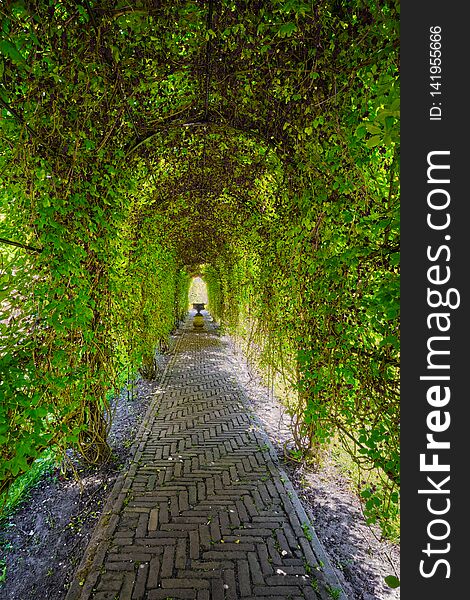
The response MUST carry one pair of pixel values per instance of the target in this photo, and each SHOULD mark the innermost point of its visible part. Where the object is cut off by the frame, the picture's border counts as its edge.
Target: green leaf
(360, 131)
(373, 128)
(375, 140)
(392, 581)
(10, 50)
(287, 29)
(115, 53)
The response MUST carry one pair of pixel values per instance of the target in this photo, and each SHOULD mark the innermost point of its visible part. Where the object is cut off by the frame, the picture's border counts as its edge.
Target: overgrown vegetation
(139, 142)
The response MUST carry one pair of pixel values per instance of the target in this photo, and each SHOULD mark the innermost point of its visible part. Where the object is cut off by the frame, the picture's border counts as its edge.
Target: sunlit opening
(197, 291)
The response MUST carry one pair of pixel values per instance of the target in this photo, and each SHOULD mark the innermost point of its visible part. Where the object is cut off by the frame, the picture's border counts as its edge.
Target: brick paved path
(204, 511)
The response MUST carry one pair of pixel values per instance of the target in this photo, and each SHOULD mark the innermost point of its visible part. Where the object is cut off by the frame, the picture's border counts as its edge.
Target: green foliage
(306, 528)
(23, 485)
(334, 593)
(137, 143)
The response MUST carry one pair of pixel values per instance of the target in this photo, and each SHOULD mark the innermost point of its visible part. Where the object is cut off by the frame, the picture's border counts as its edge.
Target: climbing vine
(256, 143)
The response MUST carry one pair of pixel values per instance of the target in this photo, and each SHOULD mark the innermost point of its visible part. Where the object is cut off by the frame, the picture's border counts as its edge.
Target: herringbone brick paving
(204, 512)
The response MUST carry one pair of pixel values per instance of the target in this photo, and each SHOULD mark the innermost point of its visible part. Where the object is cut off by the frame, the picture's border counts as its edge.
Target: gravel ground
(45, 539)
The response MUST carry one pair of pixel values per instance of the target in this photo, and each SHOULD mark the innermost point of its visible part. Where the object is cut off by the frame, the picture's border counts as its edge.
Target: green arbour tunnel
(253, 144)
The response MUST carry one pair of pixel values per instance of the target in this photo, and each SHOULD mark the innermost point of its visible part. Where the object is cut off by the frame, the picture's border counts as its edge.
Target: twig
(20, 245)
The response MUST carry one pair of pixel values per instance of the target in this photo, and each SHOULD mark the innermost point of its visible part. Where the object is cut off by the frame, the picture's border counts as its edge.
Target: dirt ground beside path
(44, 541)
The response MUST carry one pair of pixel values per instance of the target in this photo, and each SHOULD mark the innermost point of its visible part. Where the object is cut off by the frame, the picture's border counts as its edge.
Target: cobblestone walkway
(204, 512)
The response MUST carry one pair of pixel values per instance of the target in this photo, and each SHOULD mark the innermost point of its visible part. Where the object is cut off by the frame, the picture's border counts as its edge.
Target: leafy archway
(138, 142)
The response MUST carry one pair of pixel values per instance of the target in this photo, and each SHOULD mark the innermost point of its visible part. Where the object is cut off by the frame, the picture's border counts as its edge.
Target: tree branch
(20, 245)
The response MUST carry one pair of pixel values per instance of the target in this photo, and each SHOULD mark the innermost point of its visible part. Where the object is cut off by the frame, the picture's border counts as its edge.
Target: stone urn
(198, 321)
